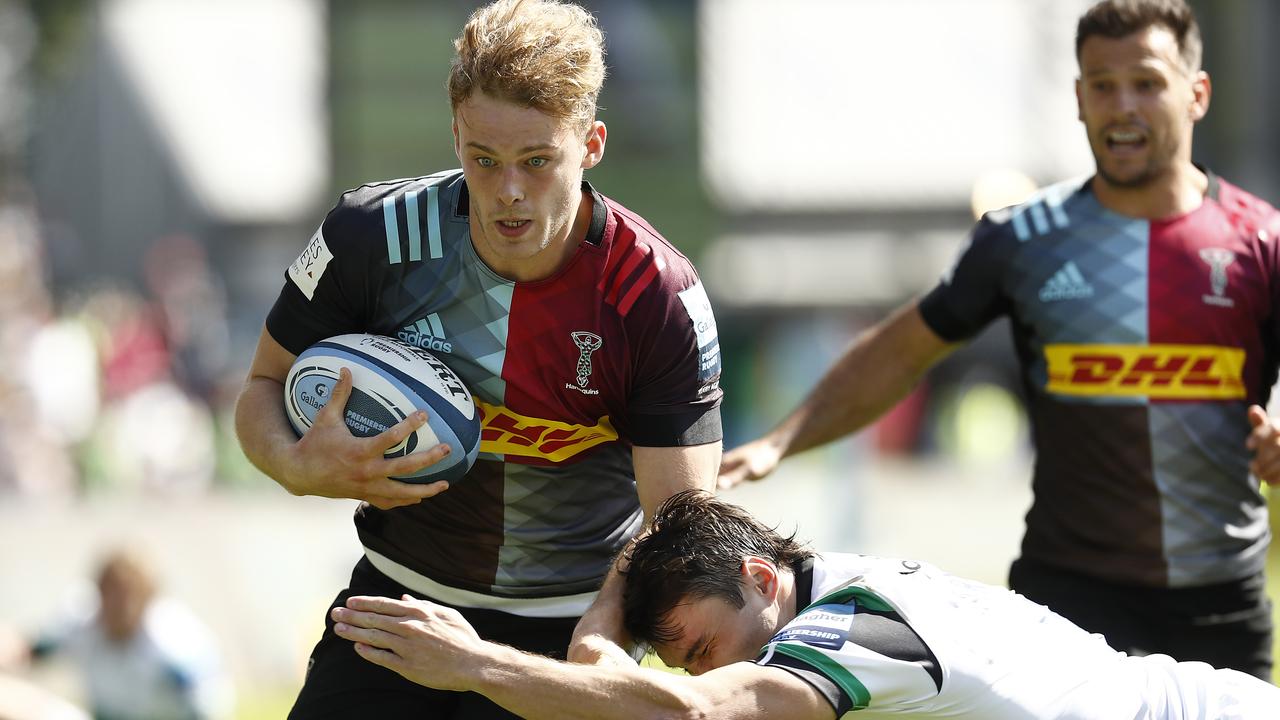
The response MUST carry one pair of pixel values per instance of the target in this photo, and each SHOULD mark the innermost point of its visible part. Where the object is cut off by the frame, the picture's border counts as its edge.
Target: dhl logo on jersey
(1164, 372)
(509, 433)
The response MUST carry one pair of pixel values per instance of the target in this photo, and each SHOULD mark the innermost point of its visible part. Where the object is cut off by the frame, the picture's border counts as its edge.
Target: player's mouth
(512, 228)
(1125, 141)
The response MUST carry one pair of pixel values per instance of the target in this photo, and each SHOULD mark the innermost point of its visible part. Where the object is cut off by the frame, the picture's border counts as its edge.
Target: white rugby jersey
(883, 637)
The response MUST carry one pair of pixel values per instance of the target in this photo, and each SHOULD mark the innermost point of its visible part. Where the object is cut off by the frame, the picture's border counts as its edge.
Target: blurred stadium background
(163, 161)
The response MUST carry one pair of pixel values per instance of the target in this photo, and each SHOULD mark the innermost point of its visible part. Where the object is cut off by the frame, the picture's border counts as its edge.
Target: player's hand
(751, 461)
(1264, 441)
(429, 644)
(331, 462)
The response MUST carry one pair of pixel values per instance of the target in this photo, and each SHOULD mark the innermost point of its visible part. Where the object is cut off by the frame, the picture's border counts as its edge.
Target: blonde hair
(546, 54)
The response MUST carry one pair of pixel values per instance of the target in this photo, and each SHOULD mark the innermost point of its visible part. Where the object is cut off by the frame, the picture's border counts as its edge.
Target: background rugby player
(1145, 307)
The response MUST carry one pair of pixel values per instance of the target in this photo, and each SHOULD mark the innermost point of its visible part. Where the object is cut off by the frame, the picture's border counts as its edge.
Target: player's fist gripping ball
(390, 380)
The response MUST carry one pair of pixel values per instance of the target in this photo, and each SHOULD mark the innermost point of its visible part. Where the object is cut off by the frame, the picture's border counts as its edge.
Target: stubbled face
(713, 633)
(1138, 105)
(524, 173)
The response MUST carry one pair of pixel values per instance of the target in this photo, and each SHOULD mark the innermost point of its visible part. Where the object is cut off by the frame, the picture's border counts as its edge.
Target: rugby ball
(390, 380)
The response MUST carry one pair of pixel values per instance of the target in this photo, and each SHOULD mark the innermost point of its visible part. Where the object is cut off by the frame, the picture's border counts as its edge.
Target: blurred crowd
(118, 387)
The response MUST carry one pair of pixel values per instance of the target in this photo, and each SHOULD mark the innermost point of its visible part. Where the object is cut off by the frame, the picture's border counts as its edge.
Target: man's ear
(1201, 91)
(596, 136)
(760, 576)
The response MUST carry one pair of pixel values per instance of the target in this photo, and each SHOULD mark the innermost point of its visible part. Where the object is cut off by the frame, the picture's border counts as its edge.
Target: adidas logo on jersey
(1066, 284)
(427, 334)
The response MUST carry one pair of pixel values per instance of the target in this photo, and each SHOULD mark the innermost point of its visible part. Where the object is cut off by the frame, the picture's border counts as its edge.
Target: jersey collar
(803, 571)
(599, 214)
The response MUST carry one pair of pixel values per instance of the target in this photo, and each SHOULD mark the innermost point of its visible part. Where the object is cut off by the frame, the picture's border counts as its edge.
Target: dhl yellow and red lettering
(509, 433)
(1166, 372)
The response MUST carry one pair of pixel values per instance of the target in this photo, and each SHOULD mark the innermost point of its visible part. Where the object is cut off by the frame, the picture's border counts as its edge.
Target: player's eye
(537, 162)
(485, 162)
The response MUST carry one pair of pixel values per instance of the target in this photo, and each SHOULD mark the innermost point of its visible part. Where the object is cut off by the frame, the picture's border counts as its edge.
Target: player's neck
(787, 600)
(581, 223)
(1178, 193)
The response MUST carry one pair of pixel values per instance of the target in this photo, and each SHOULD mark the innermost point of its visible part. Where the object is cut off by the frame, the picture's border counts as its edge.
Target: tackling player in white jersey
(770, 629)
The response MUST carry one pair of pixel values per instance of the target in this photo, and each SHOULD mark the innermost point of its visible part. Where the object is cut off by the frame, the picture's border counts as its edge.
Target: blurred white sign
(840, 104)
(237, 90)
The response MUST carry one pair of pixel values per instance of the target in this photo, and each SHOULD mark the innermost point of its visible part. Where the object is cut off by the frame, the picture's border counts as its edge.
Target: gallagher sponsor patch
(825, 626)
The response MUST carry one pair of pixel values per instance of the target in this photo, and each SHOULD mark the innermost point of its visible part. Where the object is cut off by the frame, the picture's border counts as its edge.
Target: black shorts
(341, 684)
(1227, 625)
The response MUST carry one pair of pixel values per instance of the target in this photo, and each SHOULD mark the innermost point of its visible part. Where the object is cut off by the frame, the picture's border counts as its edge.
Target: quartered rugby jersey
(619, 348)
(881, 637)
(1141, 344)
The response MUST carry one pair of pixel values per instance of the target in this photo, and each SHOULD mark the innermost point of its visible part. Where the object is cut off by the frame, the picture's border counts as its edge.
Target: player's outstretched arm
(877, 370)
(1264, 441)
(328, 461)
(434, 646)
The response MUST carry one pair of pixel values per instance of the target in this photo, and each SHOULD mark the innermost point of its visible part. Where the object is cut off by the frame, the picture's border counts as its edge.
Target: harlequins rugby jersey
(1141, 344)
(881, 637)
(619, 348)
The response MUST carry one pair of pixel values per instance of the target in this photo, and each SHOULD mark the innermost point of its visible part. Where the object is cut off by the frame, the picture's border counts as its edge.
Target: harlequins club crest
(1218, 260)
(587, 344)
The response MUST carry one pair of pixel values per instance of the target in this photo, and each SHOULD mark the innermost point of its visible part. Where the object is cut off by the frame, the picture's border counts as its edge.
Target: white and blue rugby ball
(390, 380)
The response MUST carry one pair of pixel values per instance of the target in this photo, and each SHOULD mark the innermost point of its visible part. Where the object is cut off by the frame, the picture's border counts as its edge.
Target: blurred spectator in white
(156, 439)
(141, 656)
(42, 370)
(152, 436)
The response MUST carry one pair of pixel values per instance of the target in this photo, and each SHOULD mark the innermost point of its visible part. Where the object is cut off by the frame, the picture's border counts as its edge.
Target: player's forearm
(263, 431)
(660, 473)
(535, 687)
(877, 370)
(852, 395)
(599, 637)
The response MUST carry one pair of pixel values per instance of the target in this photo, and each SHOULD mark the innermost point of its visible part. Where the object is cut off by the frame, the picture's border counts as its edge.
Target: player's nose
(511, 187)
